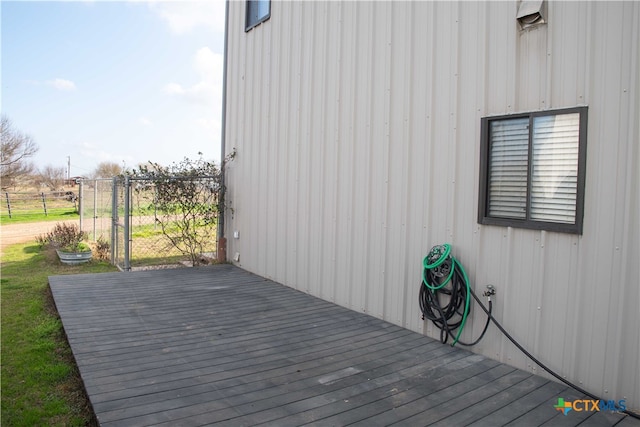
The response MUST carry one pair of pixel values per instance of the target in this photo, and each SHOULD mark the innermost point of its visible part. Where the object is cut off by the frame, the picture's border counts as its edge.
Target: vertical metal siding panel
(264, 179)
(602, 162)
(254, 152)
(418, 161)
(317, 137)
(490, 243)
(430, 200)
(300, 65)
(297, 265)
(621, 78)
(628, 334)
(331, 150)
(451, 150)
(284, 198)
(566, 77)
(508, 255)
(364, 69)
(398, 147)
(378, 170)
(501, 53)
(469, 98)
(619, 265)
(443, 36)
(245, 147)
(531, 72)
(268, 139)
(566, 54)
(287, 198)
(407, 258)
(522, 300)
(343, 243)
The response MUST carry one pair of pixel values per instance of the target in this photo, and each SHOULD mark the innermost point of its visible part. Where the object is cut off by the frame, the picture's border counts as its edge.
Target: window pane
(257, 11)
(263, 8)
(554, 178)
(508, 168)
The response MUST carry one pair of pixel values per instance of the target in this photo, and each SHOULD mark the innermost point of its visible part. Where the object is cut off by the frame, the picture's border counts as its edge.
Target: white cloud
(208, 90)
(174, 89)
(62, 84)
(58, 83)
(208, 124)
(145, 121)
(183, 16)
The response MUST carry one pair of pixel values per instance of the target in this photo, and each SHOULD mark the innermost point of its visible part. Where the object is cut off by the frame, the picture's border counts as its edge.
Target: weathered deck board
(218, 345)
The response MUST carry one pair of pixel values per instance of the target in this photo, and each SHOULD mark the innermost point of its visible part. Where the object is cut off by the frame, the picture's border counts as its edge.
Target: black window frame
(252, 17)
(528, 223)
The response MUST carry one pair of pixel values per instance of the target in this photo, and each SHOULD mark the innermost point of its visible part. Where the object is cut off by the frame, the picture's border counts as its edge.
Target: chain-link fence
(148, 232)
(126, 216)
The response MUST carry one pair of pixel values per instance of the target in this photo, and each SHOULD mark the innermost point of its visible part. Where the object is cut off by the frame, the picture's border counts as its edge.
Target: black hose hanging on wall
(444, 295)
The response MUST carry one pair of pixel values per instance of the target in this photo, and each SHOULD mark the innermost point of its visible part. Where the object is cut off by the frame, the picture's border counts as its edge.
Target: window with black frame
(532, 170)
(257, 11)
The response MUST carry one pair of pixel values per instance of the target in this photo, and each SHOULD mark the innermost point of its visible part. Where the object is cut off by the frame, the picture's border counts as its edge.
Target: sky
(113, 81)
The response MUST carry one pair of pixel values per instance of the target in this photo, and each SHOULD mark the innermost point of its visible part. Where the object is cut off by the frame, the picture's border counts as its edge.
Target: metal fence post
(127, 220)
(81, 201)
(114, 221)
(95, 207)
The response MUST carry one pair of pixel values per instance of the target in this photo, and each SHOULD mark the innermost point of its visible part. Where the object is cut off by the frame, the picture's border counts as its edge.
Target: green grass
(150, 247)
(57, 214)
(40, 382)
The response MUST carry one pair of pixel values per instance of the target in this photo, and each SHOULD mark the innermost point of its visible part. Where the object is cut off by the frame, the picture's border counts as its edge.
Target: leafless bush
(102, 249)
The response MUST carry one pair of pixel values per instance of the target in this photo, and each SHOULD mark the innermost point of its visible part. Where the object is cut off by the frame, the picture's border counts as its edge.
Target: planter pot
(73, 258)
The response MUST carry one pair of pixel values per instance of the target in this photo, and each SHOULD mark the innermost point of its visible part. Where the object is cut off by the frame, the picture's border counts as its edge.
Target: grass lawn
(40, 382)
(57, 214)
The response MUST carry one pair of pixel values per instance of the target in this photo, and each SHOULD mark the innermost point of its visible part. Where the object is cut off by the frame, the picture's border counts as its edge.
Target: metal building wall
(356, 126)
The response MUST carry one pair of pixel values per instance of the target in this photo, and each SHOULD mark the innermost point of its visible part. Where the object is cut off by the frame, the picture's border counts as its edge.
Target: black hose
(443, 301)
(538, 362)
(443, 298)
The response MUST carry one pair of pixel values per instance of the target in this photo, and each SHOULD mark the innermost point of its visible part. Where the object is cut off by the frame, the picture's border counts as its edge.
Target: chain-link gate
(95, 207)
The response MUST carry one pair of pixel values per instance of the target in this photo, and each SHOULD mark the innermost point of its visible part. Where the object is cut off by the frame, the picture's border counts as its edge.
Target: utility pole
(68, 167)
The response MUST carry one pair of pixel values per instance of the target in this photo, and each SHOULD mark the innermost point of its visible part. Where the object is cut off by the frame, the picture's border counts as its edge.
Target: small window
(532, 170)
(258, 11)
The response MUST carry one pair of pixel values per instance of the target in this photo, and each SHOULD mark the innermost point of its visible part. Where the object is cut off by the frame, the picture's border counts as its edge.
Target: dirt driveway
(11, 234)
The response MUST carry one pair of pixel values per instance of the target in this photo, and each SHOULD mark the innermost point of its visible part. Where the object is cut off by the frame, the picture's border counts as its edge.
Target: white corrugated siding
(357, 125)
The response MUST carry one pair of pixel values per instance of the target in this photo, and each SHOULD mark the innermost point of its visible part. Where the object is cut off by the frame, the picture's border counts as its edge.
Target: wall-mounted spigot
(491, 290)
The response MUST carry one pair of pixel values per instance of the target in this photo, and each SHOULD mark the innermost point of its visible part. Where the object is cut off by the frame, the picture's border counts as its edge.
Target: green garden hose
(445, 294)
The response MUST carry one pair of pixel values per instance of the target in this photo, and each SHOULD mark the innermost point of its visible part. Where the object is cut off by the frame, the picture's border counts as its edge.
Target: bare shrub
(102, 249)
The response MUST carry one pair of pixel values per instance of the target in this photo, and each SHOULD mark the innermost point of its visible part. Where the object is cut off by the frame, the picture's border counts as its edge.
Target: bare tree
(51, 176)
(107, 170)
(17, 148)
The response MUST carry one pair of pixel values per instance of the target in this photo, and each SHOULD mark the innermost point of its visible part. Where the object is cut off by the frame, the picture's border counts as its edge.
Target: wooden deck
(221, 346)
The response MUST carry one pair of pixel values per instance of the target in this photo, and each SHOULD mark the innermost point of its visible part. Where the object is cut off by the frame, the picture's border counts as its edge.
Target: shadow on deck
(220, 345)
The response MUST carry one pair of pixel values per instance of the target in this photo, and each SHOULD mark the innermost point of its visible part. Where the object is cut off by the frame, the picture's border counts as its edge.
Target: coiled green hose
(444, 277)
